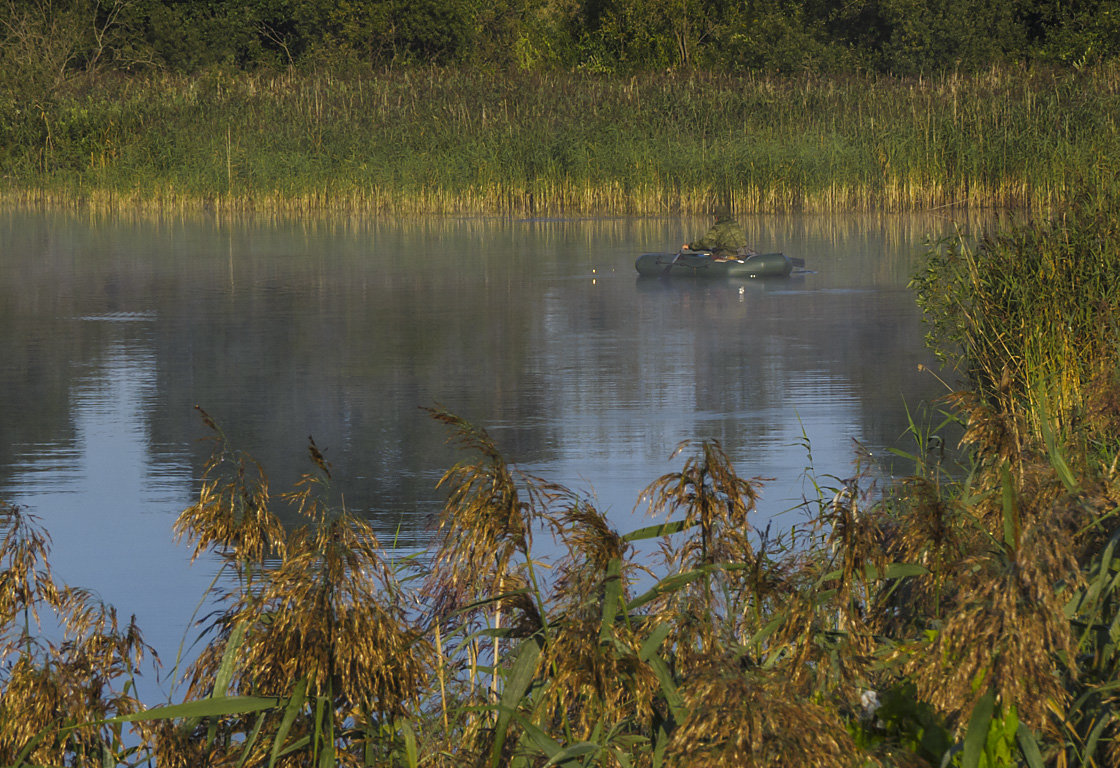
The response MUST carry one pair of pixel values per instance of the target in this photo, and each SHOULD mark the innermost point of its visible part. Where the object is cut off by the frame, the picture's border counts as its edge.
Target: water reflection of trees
(343, 328)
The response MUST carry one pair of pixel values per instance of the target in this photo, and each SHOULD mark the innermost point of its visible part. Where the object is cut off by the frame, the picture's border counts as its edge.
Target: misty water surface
(113, 329)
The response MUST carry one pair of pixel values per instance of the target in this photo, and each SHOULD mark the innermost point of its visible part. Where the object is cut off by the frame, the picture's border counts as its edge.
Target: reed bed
(1030, 316)
(448, 141)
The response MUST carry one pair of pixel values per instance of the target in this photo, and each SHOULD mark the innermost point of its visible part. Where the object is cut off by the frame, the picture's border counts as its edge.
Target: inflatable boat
(704, 264)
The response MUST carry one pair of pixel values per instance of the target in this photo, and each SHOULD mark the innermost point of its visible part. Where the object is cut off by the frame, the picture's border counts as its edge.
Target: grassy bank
(454, 142)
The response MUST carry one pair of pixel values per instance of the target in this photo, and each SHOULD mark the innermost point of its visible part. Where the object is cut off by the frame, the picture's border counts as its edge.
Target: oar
(674, 261)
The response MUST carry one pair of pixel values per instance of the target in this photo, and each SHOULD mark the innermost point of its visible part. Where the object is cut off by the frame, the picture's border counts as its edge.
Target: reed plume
(57, 694)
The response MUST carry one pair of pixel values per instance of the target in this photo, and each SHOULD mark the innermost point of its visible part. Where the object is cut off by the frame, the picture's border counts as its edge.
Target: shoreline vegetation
(442, 141)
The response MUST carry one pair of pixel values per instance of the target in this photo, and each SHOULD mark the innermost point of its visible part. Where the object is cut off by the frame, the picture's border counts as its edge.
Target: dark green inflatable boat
(702, 264)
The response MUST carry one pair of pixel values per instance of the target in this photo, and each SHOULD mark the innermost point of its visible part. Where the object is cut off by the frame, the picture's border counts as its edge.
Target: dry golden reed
(755, 720)
(56, 694)
(970, 612)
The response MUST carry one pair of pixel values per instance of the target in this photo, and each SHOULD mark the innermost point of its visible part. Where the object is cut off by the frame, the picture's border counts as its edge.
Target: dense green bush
(43, 41)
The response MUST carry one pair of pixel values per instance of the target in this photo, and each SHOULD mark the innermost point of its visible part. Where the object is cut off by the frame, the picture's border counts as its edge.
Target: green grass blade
(976, 737)
(657, 531)
(668, 687)
(660, 745)
(520, 678)
(412, 753)
(905, 570)
(323, 742)
(295, 746)
(621, 758)
(668, 584)
(1029, 747)
(654, 641)
(295, 704)
(1103, 719)
(547, 745)
(1054, 453)
(575, 750)
(612, 593)
(759, 638)
(213, 707)
(224, 675)
(252, 740)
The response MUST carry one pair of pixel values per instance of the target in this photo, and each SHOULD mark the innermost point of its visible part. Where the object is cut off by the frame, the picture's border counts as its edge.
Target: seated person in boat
(726, 239)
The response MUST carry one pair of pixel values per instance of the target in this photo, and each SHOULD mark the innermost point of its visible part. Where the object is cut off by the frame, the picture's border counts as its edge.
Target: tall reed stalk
(1031, 316)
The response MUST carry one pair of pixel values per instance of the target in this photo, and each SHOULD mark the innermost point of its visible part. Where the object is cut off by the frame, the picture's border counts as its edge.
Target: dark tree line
(48, 38)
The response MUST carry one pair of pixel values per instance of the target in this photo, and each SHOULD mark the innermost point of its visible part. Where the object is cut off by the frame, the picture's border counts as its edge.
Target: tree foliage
(43, 41)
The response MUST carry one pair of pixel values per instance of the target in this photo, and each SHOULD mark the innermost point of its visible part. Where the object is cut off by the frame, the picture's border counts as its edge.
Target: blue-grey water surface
(115, 327)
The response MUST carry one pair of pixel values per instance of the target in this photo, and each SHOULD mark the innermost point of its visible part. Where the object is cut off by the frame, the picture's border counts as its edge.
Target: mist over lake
(539, 331)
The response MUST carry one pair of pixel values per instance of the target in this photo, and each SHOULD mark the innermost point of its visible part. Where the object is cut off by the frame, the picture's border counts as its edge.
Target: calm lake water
(113, 329)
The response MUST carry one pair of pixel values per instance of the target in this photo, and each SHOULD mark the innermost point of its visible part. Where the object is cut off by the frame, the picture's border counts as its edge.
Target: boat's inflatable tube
(702, 264)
